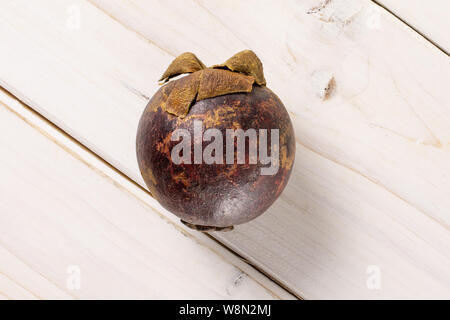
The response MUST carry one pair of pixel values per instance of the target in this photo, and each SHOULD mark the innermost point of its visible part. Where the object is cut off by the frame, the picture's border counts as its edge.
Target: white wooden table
(366, 213)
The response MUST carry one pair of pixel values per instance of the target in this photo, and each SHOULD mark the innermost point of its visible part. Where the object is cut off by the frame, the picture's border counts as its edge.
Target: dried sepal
(185, 63)
(237, 74)
(246, 62)
(182, 94)
(220, 82)
(179, 95)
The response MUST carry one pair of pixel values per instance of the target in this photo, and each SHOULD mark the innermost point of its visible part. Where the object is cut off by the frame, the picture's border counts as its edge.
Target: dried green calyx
(237, 74)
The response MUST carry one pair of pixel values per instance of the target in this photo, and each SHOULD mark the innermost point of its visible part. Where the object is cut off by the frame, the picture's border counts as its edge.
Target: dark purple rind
(218, 195)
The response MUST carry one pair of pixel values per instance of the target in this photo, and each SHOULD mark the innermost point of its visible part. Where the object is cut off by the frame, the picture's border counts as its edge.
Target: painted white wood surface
(62, 210)
(431, 18)
(370, 188)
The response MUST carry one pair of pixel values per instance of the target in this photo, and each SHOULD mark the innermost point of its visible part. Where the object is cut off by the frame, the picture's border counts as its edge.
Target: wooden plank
(370, 188)
(430, 18)
(64, 211)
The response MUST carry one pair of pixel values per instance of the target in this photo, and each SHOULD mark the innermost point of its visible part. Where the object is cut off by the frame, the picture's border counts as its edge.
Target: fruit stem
(206, 228)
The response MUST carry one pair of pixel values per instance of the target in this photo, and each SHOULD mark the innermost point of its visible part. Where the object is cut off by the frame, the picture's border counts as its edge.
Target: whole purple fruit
(228, 97)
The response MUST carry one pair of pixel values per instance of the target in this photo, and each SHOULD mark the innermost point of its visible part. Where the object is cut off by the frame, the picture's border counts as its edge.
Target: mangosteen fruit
(215, 147)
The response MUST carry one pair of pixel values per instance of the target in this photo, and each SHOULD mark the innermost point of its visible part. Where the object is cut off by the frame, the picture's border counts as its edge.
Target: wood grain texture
(63, 207)
(370, 185)
(430, 18)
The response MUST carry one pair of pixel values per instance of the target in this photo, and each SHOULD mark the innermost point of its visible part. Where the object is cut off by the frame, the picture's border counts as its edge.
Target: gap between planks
(174, 55)
(137, 197)
(410, 26)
